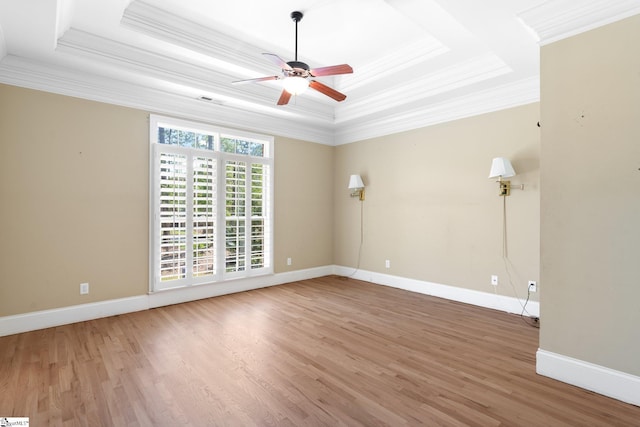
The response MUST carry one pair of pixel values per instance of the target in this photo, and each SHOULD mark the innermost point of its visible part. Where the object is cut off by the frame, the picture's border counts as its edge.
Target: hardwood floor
(328, 351)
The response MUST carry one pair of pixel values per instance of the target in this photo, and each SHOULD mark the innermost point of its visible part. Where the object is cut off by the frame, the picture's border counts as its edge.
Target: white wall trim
(553, 21)
(77, 313)
(469, 296)
(24, 72)
(602, 380)
(192, 293)
(509, 95)
(26, 322)
(599, 379)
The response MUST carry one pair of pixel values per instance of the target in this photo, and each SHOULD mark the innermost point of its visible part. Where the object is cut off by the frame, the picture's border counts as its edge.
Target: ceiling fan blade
(330, 92)
(277, 60)
(331, 70)
(259, 79)
(284, 98)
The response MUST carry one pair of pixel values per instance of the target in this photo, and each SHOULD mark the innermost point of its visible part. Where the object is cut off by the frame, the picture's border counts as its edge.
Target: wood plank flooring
(323, 352)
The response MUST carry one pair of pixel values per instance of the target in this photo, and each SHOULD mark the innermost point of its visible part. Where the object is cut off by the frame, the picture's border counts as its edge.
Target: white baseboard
(177, 296)
(26, 322)
(469, 296)
(615, 384)
(605, 381)
(55, 317)
(35, 320)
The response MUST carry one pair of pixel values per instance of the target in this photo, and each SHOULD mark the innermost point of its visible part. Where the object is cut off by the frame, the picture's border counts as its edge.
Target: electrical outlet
(84, 288)
(532, 286)
(288, 261)
(387, 263)
(494, 280)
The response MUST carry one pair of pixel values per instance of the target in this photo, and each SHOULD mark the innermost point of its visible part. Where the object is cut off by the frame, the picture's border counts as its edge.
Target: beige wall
(304, 205)
(73, 185)
(74, 188)
(74, 181)
(431, 210)
(590, 204)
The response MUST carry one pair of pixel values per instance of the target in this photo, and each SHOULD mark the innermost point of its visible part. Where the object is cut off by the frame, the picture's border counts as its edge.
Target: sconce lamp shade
(355, 182)
(356, 186)
(501, 168)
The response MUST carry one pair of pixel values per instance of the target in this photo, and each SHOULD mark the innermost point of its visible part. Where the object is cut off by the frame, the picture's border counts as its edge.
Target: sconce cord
(505, 252)
(507, 262)
(361, 240)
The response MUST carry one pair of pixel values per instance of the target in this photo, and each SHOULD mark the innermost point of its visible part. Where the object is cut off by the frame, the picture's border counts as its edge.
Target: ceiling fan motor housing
(298, 64)
(299, 69)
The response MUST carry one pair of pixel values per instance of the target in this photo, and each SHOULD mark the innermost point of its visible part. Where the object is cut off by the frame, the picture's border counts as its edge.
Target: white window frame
(220, 275)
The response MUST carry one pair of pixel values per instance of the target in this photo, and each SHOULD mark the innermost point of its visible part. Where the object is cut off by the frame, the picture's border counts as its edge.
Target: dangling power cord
(361, 240)
(505, 251)
(507, 261)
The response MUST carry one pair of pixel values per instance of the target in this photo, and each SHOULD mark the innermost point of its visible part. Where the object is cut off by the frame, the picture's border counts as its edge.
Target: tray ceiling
(416, 62)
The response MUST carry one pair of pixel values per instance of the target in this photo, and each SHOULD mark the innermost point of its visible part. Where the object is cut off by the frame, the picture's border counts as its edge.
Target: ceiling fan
(298, 76)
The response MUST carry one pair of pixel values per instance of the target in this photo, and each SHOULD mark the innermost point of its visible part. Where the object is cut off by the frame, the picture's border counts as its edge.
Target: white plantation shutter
(247, 227)
(172, 216)
(260, 231)
(235, 221)
(204, 216)
(211, 209)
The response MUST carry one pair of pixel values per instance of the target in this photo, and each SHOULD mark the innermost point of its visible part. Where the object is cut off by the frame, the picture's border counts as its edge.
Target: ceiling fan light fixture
(297, 76)
(295, 85)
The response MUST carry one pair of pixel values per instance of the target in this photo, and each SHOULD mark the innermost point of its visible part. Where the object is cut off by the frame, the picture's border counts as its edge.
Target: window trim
(221, 276)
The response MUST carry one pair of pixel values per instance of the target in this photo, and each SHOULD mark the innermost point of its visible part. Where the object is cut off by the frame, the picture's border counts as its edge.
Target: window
(211, 210)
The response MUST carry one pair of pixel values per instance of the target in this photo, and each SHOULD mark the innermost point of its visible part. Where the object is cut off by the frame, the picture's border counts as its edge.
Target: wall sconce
(501, 168)
(356, 186)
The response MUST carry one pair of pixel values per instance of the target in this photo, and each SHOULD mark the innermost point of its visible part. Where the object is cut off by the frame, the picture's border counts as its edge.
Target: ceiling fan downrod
(296, 16)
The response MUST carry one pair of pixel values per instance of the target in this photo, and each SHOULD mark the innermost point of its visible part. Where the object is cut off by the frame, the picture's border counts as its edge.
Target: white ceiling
(416, 62)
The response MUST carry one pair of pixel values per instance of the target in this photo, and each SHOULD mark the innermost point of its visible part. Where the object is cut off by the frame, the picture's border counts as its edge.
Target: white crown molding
(409, 56)
(521, 92)
(155, 22)
(559, 19)
(46, 77)
(3, 45)
(175, 71)
(148, 19)
(609, 382)
(171, 80)
(443, 80)
(25, 73)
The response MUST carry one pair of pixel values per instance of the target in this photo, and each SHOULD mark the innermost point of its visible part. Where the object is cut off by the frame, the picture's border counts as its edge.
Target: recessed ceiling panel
(415, 62)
